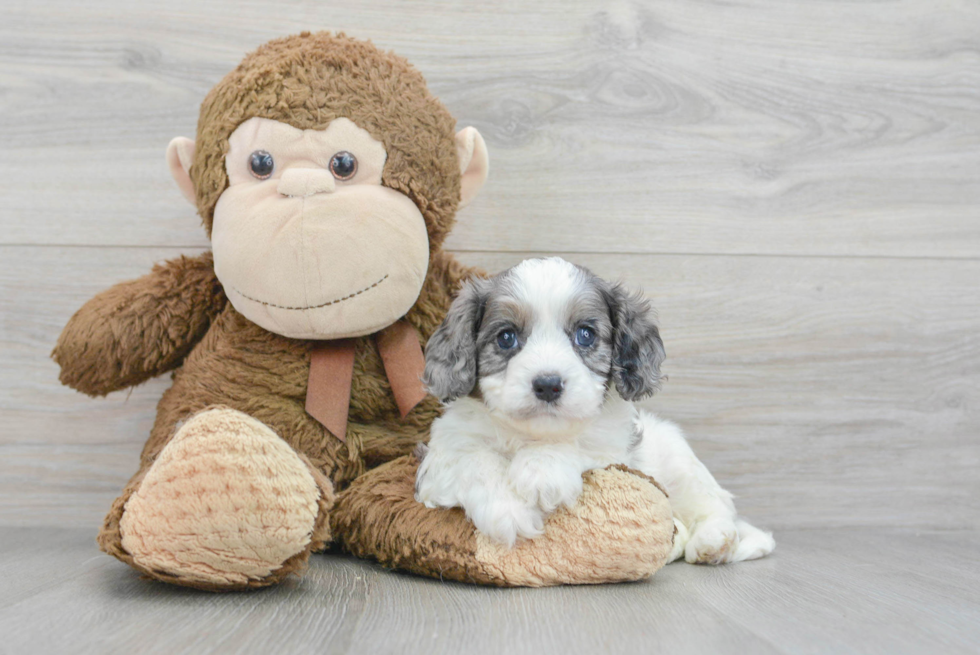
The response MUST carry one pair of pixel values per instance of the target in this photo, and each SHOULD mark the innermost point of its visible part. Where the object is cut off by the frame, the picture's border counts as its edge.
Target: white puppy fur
(540, 365)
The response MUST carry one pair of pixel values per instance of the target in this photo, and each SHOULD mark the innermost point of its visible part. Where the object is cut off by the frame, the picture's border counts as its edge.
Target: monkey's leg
(226, 505)
(621, 529)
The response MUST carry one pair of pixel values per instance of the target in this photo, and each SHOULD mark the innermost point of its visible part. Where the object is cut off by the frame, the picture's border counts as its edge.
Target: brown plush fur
(177, 317)
(439, 543)
(139, 329)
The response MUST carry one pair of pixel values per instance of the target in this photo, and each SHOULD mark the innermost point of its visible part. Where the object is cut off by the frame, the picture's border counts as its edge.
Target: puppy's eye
(343, 165)
(507, 340)
(260, 164)
(585, 336)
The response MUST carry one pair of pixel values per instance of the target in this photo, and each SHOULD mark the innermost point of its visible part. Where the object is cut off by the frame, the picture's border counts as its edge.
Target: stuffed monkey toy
(327, 177)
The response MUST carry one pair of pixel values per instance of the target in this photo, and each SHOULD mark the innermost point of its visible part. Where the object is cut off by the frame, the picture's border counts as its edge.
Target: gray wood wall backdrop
(795, 184)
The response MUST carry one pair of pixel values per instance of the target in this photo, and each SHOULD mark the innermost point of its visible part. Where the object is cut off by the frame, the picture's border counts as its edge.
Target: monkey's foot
(621, 529)
(226, 505)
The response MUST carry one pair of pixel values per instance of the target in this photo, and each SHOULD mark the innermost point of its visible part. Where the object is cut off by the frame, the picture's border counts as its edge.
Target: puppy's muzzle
(548, 387)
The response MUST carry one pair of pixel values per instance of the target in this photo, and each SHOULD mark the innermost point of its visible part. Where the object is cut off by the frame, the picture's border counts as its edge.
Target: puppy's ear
(638, 351)
(450, 355)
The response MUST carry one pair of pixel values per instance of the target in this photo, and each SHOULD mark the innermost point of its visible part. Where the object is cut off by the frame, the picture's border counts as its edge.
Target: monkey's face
(307, 242)
(324, 204)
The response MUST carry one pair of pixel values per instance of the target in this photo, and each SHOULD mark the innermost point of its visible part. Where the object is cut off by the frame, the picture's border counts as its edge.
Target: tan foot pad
(226, 503)
(621, 530)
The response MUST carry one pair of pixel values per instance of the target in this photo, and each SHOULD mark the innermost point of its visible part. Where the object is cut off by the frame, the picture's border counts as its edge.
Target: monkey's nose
(303, 182)
(547, 387)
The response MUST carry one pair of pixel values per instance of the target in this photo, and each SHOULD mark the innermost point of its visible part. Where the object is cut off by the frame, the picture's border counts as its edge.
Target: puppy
(540, 365)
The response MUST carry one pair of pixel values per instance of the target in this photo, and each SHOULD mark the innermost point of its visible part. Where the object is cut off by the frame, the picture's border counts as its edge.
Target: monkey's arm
(620, 529)
(141, 328)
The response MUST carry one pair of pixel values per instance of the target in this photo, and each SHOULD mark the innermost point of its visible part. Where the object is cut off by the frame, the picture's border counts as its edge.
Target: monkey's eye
(507, 340)
(343, 165)
(585, 336)
(260, 163)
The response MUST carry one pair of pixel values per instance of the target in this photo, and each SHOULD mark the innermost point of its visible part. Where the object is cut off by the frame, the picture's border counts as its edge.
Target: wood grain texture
(822, 391)
(825, 127)
(795, 184)
(822, 591)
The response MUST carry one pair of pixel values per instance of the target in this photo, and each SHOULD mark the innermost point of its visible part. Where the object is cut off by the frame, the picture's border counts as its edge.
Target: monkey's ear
(180, 156)
(474, 164)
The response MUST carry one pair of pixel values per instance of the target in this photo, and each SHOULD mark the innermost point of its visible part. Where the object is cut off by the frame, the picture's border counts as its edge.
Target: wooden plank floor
(844, 590)
(796, 185)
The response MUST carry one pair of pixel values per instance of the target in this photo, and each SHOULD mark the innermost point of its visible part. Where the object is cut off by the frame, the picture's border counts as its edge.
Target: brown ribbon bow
(332, 369)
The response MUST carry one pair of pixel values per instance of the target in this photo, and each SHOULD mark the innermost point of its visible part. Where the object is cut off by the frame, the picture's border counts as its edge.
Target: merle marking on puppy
(540, 366)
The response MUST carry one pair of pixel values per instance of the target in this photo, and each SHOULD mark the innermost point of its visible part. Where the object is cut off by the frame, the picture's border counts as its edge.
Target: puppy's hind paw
(713, 541)
(753, 543)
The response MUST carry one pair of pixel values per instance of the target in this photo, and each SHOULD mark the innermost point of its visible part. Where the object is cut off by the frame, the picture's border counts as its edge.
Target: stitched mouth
(325, 304)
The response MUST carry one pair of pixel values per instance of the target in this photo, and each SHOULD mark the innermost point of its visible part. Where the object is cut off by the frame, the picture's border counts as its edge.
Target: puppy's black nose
(547, 387)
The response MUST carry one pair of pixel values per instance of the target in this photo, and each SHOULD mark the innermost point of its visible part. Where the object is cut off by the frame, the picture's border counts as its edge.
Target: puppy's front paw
(506, 519)
(545, 482)
(713, 541)
(430, 493)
